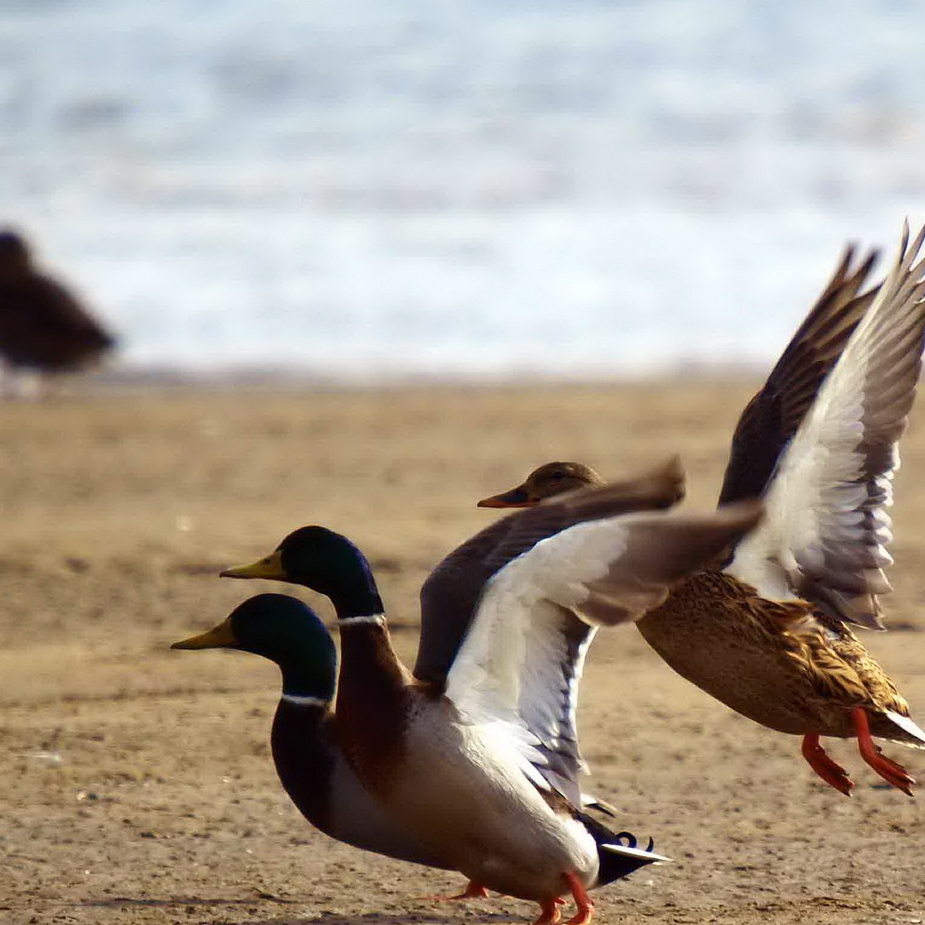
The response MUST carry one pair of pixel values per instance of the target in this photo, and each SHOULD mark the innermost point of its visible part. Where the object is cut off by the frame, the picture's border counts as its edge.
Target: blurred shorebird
(43, 328)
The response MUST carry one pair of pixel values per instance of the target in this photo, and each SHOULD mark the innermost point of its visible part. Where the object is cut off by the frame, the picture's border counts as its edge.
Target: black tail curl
(614, 866)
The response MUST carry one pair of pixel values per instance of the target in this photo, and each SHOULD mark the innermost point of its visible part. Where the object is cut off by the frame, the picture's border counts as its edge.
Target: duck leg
(582, 900)
(473, 890)
(550, 914)
(891, 771)
(830, 771)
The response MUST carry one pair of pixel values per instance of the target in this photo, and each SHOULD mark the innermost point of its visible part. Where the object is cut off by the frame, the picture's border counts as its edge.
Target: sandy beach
(137, 785)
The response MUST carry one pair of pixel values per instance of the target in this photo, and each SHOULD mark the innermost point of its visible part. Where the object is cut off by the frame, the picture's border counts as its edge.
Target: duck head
(549, 480)
(287, 632)
(324, 561)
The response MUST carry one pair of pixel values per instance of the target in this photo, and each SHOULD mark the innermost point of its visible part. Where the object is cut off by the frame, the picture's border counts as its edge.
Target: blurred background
(367, 191)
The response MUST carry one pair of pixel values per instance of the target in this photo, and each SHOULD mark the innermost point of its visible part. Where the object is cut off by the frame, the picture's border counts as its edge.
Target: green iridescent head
(284, 630)
(324, 561)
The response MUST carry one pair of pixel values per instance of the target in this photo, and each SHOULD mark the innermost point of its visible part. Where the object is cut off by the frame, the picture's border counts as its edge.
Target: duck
(43, 327)
(309, 762)
(308, 757)
(768, 633)
(450, 593)
(484, 767)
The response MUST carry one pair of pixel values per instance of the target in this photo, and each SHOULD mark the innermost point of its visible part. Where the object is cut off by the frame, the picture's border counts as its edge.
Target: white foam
(495, 190)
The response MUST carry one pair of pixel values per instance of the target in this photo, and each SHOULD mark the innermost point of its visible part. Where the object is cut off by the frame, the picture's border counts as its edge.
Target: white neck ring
(302, 700)
(375, 619)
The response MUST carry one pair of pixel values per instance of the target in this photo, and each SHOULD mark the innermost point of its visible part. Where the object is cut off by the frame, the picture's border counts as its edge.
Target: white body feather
(492, 763)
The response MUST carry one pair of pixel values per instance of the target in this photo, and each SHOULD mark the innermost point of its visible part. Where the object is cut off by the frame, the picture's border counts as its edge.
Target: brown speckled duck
(768, 633)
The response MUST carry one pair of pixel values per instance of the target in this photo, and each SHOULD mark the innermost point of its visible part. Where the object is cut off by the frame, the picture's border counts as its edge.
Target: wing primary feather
(827, 526)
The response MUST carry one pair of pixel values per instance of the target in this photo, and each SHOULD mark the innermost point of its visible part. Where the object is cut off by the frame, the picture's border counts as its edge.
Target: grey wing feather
(828, 525)
(774, 414)
(451, 592)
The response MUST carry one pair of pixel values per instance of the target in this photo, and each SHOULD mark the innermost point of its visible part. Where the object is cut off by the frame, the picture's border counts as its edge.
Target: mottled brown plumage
(783, 664)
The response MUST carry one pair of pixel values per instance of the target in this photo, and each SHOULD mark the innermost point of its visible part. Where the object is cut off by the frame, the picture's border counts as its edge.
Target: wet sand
(137, 785)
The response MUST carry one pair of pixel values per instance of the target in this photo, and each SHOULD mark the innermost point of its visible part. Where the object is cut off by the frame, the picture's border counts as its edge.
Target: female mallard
(309, 762)
(766, 635)
(484, 768)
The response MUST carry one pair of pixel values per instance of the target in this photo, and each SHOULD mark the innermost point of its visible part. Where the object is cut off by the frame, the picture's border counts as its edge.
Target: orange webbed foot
(550, 914)
(891, 771)
(830, 771)
(582, 900)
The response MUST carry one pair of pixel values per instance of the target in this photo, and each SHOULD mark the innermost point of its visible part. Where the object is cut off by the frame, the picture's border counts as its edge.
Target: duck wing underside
(518, 670)
(773, 415)
(451, 592)
(827, 528)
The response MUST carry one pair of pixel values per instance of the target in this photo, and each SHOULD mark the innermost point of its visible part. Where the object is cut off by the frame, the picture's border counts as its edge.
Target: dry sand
(137, 784)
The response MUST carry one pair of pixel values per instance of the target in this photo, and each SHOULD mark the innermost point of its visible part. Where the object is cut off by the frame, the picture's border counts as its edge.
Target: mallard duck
(42, 326)
(484, 766)
(451, 591)
(310, 762)
(308, 759)
(767, 634)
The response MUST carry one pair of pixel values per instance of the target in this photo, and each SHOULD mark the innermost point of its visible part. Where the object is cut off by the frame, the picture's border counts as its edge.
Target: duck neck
(369, 663)
(304, 755)
(307, 684)
(370, 670)
(372, 697)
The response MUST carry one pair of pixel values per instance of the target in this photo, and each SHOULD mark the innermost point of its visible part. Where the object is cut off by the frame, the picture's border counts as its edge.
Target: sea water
(488, 189)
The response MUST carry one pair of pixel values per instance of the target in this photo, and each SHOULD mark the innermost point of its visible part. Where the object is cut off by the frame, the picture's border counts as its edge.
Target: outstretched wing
(518, 669)
(827, 526)
(451, 592)
(772, 417)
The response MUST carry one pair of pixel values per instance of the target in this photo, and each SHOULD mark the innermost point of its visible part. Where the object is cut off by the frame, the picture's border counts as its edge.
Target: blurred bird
(42, 326)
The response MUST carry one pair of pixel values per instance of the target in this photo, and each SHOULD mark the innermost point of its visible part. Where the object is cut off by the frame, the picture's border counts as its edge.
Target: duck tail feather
(646, 855)
(589, 801)
(907, 726)
(617, 860)
(618, 853)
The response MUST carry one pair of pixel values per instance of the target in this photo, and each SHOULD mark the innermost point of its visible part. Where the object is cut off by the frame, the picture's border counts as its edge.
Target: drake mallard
(483, 767)
(308, 759)
(42, 326)
(768, 635)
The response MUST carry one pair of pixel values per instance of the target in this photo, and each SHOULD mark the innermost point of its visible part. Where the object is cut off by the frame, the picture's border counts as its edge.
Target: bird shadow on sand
(464, 916)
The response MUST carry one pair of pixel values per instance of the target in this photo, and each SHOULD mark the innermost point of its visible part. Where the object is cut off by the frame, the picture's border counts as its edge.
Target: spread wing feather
(451, 592)
(827, 528)
(519, 667)
(772, 417)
